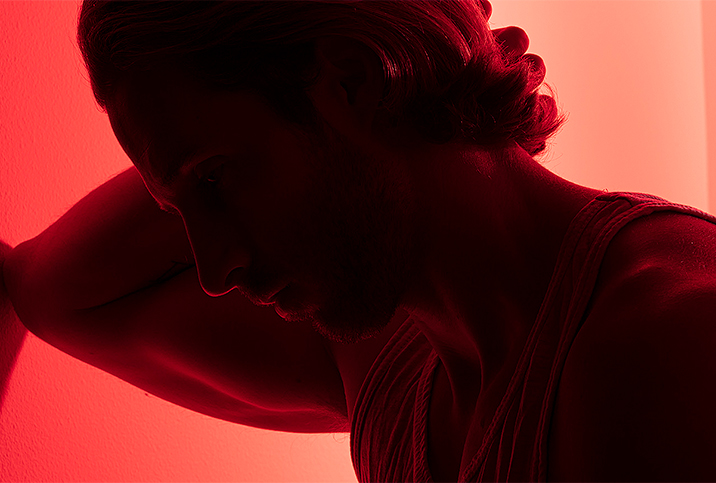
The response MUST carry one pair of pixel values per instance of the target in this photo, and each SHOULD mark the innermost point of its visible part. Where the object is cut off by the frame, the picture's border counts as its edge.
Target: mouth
(292, 306)
(280, 312)
(269, 299)
(260, 288)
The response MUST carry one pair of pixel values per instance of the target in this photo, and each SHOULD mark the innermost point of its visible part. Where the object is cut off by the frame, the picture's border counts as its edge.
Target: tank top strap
(515, 444)
(600, 221)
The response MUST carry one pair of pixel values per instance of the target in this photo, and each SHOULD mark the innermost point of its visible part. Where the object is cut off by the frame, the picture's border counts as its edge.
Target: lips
(269, 299)
(279, 311)
(292, 307)
(258, 290)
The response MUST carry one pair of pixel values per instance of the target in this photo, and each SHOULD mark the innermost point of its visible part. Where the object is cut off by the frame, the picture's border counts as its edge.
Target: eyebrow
(169, 174)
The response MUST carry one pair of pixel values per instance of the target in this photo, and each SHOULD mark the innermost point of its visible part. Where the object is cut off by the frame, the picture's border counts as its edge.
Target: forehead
(158, 117)
(163, 119)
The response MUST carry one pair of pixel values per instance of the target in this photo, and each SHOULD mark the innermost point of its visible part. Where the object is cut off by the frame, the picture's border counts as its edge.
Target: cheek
(275, 205)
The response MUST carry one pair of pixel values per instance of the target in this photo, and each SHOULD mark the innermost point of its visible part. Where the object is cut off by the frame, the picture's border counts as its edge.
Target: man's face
(300, 218)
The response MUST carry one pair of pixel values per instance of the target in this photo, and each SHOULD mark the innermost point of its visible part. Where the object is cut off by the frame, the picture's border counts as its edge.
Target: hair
(444, 71)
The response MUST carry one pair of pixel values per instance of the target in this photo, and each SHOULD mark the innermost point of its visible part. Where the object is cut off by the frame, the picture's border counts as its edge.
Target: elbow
(20, 292)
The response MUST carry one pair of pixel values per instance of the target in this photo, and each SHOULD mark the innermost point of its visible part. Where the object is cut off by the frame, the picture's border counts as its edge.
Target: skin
(311, 225)
(352, 225)
(358, 218)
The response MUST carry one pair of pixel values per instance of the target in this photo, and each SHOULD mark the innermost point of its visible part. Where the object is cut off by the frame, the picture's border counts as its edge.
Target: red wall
(630, 74)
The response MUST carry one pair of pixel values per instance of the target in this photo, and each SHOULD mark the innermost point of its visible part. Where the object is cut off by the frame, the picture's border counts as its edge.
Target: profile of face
(300, 218)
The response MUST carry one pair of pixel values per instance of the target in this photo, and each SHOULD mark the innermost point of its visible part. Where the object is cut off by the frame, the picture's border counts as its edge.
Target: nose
(218, 251)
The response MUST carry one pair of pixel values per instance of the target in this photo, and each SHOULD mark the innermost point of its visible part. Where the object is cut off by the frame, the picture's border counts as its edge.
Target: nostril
(219, 258)
(212, 282)
(210, 290)
(217, 279)
(235, 279)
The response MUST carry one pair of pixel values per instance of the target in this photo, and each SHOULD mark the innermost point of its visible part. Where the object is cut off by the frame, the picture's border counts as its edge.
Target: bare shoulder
(636, 397)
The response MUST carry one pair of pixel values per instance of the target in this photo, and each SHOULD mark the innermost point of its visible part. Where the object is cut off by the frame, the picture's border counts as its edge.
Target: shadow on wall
(12, 332)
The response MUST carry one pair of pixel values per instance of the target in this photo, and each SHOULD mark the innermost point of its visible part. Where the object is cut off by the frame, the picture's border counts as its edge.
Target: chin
(346, 310)
(293, 315)
(349, 328)
(343, 336)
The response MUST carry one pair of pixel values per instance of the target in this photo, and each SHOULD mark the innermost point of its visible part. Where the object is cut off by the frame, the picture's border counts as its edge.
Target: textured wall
(629, 73)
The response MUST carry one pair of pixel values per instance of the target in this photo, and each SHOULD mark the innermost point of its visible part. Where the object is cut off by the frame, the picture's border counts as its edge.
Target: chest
(453, 437)
(413, 426)
(452, 443)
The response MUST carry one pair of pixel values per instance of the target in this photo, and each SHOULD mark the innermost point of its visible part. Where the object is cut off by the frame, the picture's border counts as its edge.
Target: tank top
(389, 426)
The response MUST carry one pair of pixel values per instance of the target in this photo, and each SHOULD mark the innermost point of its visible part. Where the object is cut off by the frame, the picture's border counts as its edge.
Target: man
(365, 171)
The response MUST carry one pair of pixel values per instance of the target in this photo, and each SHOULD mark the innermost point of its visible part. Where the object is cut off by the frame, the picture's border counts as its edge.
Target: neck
(492, 226)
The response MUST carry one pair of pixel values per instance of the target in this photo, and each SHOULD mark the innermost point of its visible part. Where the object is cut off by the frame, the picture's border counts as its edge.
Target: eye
(210, 171)
(214, 176)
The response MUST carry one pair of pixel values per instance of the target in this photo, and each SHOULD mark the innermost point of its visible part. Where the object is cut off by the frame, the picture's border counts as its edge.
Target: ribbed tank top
(389, 427)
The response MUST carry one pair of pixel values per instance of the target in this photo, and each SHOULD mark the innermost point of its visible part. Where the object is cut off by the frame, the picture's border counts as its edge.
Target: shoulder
(637, 393)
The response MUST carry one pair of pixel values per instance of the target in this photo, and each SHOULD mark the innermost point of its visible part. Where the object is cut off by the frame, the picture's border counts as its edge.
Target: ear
(350, 85)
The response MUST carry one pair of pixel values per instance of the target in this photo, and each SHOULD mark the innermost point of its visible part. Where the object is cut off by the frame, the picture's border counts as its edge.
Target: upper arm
(637, 395)
(223, 356)
(91, 285)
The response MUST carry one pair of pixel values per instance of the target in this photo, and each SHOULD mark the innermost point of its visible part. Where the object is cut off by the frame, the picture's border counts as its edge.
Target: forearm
(113, 242)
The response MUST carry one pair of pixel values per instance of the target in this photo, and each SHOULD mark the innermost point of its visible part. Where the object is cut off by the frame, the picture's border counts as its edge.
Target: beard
(363, 226)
